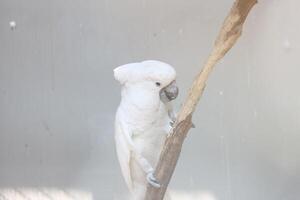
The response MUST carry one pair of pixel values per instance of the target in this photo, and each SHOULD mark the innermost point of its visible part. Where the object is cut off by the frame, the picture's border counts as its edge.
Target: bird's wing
(124, 152)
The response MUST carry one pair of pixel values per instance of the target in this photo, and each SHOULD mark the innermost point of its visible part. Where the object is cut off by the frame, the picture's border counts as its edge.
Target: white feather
(142, 121)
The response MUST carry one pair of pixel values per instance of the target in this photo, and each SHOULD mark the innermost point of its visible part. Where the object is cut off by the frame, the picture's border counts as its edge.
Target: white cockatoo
(143, 120)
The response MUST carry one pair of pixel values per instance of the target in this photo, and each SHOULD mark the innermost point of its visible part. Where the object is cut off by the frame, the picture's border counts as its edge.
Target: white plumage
(143, 120)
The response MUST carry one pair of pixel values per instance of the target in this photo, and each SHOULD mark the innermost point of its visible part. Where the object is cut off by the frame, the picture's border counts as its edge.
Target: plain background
(58, 96)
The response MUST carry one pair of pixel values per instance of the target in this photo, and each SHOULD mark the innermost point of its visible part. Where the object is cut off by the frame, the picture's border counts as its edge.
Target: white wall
(58, 95)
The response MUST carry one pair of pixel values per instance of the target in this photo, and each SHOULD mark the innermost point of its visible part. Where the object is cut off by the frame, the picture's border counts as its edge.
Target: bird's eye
(157, 84)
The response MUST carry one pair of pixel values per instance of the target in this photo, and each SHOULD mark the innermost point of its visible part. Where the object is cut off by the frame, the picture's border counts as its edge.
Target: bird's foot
(152, 180)
(193, 125)
(172, 123)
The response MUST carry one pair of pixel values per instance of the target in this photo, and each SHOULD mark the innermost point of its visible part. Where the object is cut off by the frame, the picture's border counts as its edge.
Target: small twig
(228, 35)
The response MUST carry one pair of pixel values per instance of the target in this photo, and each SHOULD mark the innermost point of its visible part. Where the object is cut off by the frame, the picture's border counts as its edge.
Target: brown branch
(228, 35)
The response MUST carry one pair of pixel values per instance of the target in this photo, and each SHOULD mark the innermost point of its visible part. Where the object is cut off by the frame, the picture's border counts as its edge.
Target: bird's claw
(193, 125)
(152, 180)
(172, 122)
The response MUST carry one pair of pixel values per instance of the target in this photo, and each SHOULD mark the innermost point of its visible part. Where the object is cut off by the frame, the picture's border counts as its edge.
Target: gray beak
(169, 93)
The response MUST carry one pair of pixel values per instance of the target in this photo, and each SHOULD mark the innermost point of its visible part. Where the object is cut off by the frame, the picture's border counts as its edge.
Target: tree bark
(231, 30)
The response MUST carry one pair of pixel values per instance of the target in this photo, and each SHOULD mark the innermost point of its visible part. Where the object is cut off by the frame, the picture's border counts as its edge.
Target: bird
(143, 120)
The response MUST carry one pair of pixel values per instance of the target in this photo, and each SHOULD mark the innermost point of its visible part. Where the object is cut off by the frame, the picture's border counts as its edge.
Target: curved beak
(169, 93)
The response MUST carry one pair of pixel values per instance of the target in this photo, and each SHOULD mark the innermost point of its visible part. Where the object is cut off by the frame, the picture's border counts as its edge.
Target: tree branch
(231, 30)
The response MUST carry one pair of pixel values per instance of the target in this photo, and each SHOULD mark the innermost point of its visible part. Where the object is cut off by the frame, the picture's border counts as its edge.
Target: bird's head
(150, 75)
